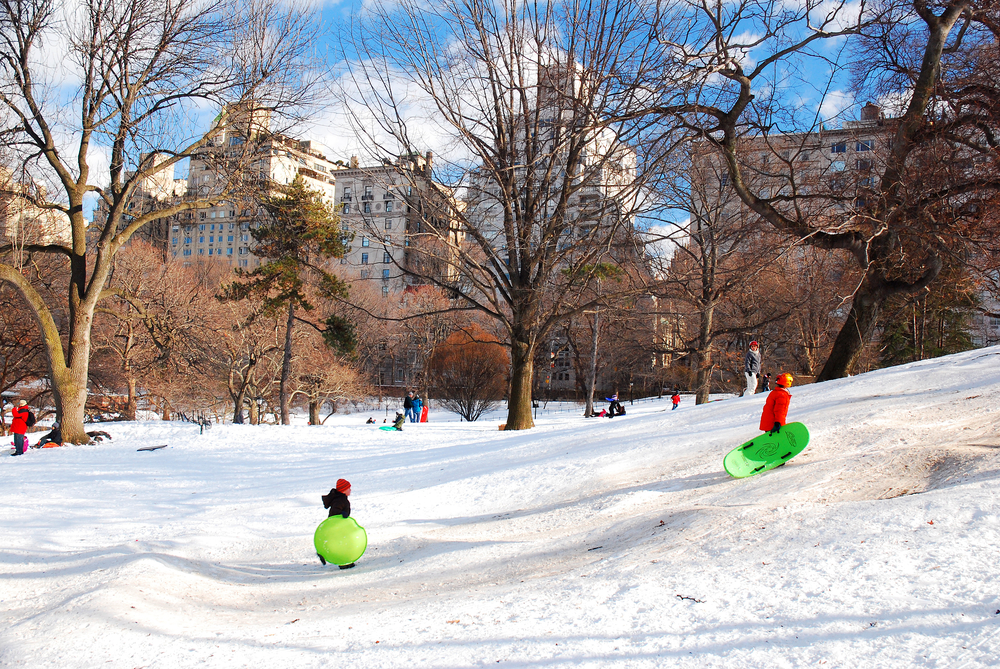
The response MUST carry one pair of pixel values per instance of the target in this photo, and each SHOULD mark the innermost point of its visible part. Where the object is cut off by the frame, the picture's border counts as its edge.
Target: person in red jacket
(19, 425)
(776, 406)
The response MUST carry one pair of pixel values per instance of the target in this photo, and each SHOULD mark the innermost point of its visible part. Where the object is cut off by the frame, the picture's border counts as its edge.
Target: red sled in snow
(423, 415)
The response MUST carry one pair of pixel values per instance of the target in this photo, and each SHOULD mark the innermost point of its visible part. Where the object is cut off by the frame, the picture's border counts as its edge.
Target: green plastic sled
(340, 540)
(766, 451)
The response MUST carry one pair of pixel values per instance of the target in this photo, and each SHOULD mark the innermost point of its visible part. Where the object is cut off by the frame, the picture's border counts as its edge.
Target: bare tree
(141, 72)
(468, 372)
(899, 214)
(545, 175)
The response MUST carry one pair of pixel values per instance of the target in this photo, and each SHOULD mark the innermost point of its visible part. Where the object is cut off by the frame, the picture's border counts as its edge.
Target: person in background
(676, 399)
(53, 437)
(408, 405)
(19, 425)
(765, 383)
(751, 368)
(398, 423)
(418, 406)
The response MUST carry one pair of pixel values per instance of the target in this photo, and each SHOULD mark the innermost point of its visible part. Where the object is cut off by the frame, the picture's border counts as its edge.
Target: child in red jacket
(776, 406)
(676, 399)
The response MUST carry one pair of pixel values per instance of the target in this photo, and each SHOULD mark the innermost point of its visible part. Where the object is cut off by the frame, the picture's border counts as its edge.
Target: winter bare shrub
(468, 372)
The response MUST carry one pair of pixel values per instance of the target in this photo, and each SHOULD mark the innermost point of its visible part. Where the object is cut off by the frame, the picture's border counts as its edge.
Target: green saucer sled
(340, 540)
(766, 451)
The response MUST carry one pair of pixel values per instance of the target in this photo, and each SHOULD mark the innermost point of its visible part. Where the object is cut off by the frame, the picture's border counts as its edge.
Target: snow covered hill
(582, 543)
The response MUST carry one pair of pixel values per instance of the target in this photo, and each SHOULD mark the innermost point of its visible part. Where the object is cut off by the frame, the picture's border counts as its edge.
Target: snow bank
(583, 542)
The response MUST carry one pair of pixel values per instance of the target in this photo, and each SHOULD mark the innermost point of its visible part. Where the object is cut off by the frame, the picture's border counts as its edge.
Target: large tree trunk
(133, 400)
(856, 331)
(238, 400)
(703, 356)
(286, 365)
(314, 412)
(521, 375)
(70, 397)
(592, 376)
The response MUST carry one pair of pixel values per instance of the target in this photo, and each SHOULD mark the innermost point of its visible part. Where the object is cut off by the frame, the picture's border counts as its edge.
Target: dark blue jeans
(18, 444)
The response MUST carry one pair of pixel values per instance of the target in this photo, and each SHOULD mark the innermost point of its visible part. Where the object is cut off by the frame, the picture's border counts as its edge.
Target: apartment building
(22, 222)
(222, 232)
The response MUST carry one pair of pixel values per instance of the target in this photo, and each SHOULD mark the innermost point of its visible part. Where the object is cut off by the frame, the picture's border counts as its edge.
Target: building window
(838, 166)
(202, 226)
(346, 208)
(243, 263)
(386, 257)
(244, 238)
(365, 273)
(174, 241)
(388, 224)
(187, 252)
(364, 241)
(229, 239)
(201, 239)
(211, 239)
(385, 274)
(864, 165)
(364, 258)
(388, 206)
(229, 252)
(839, 147)
(187, 240)
(864, 145)
(368, 193)
(212, 215)
(385, 291)
(367, 207)
(210, 251)
(201, 252)
(242, 251)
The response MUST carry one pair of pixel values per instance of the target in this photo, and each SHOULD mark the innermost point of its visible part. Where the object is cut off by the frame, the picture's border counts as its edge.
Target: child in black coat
(336, 500)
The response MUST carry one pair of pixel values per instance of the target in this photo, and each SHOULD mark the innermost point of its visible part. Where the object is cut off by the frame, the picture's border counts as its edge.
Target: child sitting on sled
(398, 423)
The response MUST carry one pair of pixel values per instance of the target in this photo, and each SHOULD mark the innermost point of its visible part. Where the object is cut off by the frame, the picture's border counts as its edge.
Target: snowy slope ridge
(581, 543)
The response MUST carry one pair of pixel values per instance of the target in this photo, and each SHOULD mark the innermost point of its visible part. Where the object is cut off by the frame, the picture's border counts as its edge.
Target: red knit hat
(343, 485)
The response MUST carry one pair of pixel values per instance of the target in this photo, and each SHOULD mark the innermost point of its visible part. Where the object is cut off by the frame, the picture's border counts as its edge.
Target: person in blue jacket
(418, 406)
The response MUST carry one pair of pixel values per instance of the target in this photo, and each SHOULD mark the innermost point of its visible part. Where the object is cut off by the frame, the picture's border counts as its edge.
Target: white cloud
(834, 104)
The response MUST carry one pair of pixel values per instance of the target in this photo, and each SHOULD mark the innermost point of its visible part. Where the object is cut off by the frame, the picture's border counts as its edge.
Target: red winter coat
(19, 425)
(775, 409)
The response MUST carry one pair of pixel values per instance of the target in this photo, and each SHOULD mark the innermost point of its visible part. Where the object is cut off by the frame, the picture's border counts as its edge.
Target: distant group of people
(413, 405)
(751, 370)
(21, 419)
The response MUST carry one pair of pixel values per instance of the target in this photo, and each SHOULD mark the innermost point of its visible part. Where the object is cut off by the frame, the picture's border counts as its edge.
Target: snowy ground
(581, 543)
